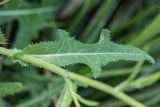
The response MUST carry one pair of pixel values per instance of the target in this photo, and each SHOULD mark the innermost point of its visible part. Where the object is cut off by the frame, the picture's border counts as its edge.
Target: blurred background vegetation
(133, 22)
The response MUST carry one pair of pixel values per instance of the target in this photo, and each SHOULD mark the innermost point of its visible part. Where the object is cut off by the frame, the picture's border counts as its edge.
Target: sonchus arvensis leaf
(67, 51)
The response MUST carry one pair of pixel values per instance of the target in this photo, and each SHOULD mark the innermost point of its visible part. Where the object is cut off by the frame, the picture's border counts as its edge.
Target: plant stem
(22, 12)
(5, 51)
(124, 85)
(72, 93)
(93, 83)
(3, 2)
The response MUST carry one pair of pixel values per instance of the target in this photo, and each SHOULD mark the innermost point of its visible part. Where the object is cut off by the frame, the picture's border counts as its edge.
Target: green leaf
(98, 21)
(65, 99)
(145, 81)
(41, 98)
(30, 18)
(2, 38)
(68, 51)
(148, 33)
(8, 88)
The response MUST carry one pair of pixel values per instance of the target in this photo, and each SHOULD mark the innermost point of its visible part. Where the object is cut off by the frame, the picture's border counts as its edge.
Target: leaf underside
(67, 51)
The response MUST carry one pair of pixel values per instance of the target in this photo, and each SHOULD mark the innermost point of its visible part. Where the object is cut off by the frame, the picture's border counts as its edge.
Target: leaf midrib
(82, 54)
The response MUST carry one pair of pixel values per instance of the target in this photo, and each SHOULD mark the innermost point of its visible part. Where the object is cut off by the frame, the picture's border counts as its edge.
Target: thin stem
(3, 2)
(123, 85)
(86, 101)
(22, 12)
(5, 51)
(98, 85)
(93, 83)
(72, 93)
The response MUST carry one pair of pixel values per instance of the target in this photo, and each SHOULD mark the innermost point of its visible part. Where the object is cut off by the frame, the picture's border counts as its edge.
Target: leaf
(98, 21)
(8, 88)
(28, 30)
(145, 81)
(148, 33)
(65, 99)
(30, 18)
(2, 38)
(68, 51)
(41, 98)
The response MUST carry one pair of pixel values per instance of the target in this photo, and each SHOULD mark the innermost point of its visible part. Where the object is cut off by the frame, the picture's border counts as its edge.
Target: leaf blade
(67, 51)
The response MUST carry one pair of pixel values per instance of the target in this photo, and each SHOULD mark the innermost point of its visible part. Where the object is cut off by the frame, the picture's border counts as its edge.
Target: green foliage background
(133, 22)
